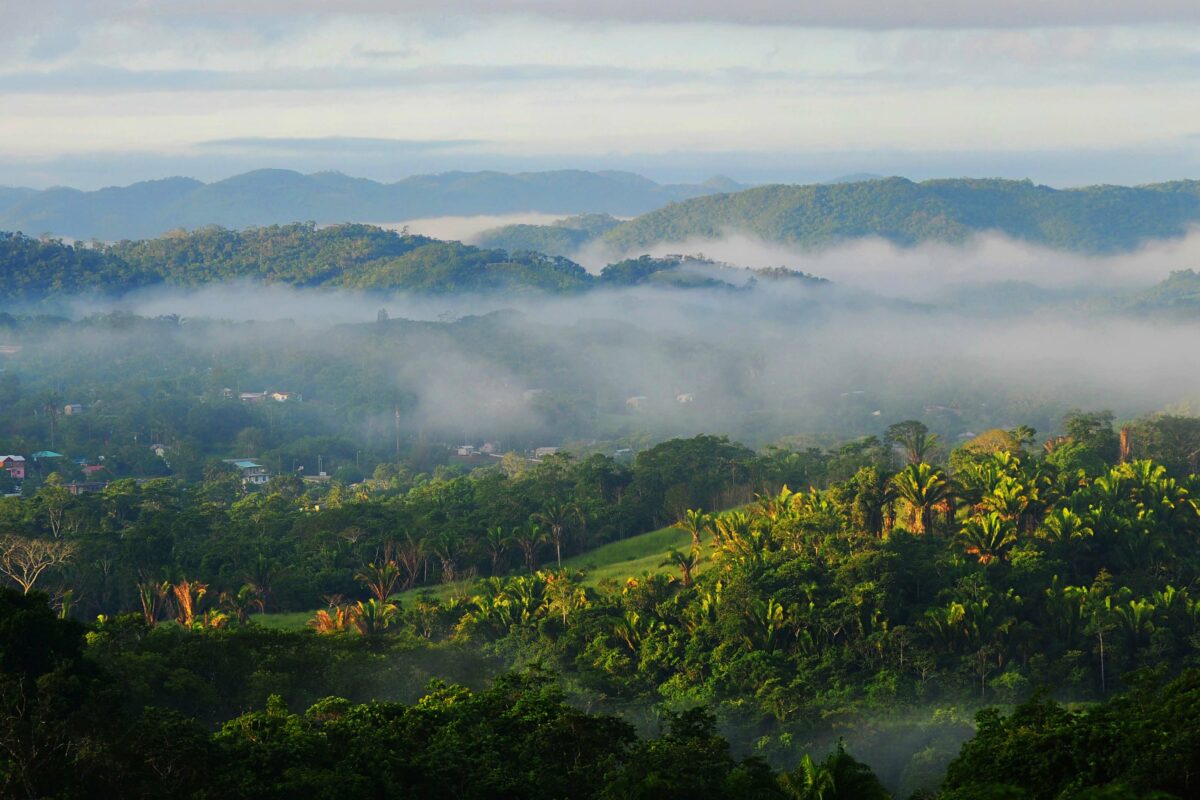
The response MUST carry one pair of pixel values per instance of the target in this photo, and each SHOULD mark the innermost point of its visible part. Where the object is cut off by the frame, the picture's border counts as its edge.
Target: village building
(86, 487)
(252, 472)
(543, 452)
(14, 465)
(73, 409)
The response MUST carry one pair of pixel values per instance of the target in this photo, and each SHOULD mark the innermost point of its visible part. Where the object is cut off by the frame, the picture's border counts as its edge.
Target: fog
(887, 340)
(467, 229)
(924, 271)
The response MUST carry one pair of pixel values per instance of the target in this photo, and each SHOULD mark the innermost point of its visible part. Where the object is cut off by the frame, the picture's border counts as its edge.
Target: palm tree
(695, 523)
(988, 538)
(556, 517)
(808, 781)
(496, 542)
(240, 603)
(373, 616)
(684, 562)
(923, 487)
(334, 620)
(188, 595)
(449, 549)
(153, 596)
(528, 540)
(409, 554)
(874, 495)
(914, 439)
(380, 579)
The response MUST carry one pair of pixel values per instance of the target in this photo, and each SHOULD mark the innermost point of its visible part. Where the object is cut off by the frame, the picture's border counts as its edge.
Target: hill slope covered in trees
(343, 256)
(1098, 219)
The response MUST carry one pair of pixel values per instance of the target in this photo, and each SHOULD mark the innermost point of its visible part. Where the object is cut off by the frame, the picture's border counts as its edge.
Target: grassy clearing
(634, 556)
(617, 561)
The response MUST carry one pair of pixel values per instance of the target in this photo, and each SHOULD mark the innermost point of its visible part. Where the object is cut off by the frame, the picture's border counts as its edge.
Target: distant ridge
(275, 196)
(1097, 219)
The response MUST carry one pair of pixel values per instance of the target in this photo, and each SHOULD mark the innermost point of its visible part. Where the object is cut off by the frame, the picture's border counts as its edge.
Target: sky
(1066, 92)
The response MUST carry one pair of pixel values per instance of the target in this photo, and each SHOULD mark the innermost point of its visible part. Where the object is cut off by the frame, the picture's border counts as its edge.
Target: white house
(252, 473)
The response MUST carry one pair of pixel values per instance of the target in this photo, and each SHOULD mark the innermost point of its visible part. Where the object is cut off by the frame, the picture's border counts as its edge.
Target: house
(542, 452)
(14, 465)
(685, 397)
(159, 450)
(73, 409)
(86, 487)
(252, 397)
(466, 450)
(43, 455)
(92, 469)
(252, 472)
(285, 397)
(635, 402)
(490, 448)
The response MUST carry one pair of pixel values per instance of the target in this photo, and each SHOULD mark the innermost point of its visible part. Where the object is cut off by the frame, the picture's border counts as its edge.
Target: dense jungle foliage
(881, 605)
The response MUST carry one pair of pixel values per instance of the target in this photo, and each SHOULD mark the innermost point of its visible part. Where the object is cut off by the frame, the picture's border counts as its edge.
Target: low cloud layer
(849, 14)
(783, 359)
(926, 271)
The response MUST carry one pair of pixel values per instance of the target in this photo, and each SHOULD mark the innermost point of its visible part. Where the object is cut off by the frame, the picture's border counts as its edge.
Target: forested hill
(1098, 219)
(342, 256)
(348, 256)
(274, 196)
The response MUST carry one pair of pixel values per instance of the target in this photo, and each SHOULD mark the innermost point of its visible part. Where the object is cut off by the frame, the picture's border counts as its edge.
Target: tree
(24, 561)
(556, 517)
(874, 497)
(988, 538)
(684, 562)
(695, 523)
(496, 542)
(188, 596)
(381, 578)
(913, 438)
(528, 540)
(839, 777)
(923, 487)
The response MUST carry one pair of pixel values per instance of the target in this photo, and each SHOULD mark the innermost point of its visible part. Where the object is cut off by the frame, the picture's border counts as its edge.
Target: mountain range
(273, 196)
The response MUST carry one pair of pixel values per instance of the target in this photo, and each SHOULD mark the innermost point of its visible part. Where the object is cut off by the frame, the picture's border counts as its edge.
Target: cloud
(93, 78)
(858, 14)
(340, 145)
(781, 359)
(929, 271)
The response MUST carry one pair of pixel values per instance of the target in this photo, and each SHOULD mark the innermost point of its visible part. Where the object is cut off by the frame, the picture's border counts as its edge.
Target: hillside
(274, 196)
(349, 256)
(1178, 294)
(340, 256)
(561, 238)
(1099, 219)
